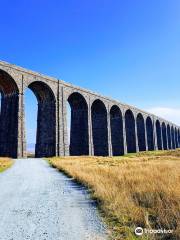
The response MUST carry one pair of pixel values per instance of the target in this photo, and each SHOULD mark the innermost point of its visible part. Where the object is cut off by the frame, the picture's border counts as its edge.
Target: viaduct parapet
(100, 126)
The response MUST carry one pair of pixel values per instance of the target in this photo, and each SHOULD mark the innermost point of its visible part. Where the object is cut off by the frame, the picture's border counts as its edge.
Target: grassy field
(5, 163)
(134, 190)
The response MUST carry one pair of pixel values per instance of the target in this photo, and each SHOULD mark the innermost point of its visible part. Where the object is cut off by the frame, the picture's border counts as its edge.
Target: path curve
(38, 202)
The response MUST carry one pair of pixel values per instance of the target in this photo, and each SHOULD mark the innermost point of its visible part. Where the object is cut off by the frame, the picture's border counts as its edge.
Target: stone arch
(130, 131)
(178, 138)
(158, 134)
(173, 137)
(46, 119)
(9, 115)
(116, 131)
(164, 136)
(29, 79)
(99, 128)
(169, 136)
(150, 135)
(79, 137)
(141, 132)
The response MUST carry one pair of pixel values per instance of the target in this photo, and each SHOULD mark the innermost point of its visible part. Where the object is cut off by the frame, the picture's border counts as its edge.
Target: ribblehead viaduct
(99, 126)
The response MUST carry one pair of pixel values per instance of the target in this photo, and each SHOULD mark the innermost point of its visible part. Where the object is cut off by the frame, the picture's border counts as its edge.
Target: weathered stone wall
(79, 140)
(9, 125)
(46, 131)
(141, 132)
(99, 125)
(116, 125)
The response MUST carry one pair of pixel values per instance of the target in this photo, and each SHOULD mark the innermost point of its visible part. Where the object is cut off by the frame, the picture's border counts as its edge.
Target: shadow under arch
(176, 138)
(130, 131)
(99, 128)
(116, 131)
(164, 136)
(173, 137)
(9, 115)
(141, 132)
(169, 137)
(150, 135)
(158, 135)
(46, 119)
(79, 137)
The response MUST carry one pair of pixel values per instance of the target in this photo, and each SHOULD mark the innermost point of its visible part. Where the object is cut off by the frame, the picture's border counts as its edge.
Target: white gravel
(38, 202)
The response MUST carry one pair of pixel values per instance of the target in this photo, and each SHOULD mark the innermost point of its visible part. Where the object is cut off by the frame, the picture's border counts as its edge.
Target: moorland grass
(5, 163)
(140, 189)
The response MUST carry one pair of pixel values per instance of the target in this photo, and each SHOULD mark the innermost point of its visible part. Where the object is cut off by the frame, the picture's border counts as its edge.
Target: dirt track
(39, 203)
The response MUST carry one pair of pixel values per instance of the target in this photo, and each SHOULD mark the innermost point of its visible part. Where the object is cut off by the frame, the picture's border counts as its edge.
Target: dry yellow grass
(5, 163)
(133, 190)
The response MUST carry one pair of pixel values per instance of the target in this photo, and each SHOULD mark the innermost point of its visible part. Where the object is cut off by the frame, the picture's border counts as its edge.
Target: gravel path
(39, 203)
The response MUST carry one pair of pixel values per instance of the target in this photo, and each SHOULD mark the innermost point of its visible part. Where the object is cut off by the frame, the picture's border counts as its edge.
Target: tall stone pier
(100, 126)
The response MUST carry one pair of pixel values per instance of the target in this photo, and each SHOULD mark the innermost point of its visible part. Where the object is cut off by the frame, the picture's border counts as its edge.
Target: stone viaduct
(99, 126)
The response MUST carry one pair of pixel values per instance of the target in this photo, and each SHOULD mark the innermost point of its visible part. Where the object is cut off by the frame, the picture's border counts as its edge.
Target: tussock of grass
(5, 163)
(135, 190)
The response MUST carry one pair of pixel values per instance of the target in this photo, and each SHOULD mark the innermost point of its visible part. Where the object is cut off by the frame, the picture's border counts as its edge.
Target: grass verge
(140, 189)
(5, 163)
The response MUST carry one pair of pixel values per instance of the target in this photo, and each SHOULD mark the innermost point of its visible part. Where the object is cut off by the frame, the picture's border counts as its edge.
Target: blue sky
(128, 50)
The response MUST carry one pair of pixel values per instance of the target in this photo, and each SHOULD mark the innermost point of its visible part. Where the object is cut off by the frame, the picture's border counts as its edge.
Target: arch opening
(173, 138)
(99, 128)
(158, 134)
(116, 131)
(150, 135)
(31, 109)
(9, 115)
(141, 132)
(176, 138)
(164, 136)
(169, 137)
(130, 131)
(79, 137)
(46, 119)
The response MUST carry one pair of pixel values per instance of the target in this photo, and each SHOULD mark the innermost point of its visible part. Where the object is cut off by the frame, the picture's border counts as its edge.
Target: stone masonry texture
(99, 125)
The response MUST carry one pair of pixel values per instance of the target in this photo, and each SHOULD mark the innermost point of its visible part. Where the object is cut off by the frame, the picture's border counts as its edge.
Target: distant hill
(30, 147)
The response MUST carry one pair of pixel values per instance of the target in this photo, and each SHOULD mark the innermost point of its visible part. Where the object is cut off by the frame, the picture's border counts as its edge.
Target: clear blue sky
(128, 50)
